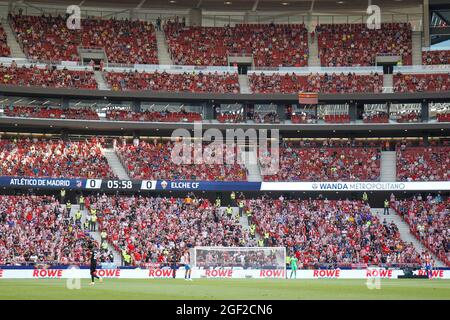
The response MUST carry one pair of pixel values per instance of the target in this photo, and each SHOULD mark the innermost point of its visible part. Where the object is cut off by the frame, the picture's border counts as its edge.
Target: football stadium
(223, 150)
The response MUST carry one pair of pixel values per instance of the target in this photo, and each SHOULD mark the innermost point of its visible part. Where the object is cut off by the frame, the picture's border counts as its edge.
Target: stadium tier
(307, 160)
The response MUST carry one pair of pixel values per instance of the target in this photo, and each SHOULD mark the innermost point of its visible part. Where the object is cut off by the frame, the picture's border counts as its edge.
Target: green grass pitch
(210, 289)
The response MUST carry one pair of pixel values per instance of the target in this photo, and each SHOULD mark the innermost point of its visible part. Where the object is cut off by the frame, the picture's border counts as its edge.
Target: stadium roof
(240, 5)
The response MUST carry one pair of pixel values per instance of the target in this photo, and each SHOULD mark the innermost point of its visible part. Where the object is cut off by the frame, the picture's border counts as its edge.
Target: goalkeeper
(294, 261)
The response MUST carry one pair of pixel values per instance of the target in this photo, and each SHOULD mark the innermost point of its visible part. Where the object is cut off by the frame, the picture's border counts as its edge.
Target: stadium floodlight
(255, 258)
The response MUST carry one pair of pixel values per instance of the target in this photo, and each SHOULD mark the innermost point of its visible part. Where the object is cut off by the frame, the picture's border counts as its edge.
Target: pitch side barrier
(220, 273)
(183, 185)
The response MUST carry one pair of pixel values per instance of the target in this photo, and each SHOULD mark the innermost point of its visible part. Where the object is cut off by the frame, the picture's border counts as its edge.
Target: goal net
(239, 257)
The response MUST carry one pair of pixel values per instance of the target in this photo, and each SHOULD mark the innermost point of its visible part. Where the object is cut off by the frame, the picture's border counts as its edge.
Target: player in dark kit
(94, 269)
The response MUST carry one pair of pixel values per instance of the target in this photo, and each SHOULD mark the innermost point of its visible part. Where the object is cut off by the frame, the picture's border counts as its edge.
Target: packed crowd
(46, 77)
(37, 230)
(48, 38)
(430, 163)
(357, 45)
(154, 116)
(169, 160)
(53, 158)
(324, 83)
(436, 57)
(151, 230)
(429, 221)
(269, 44)
(330, 232)
(163, 81)
(5, 51)
(421, 82)
(50, 112)
(322, 163)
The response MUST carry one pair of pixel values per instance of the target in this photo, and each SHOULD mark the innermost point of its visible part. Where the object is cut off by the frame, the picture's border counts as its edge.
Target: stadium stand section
(163, 81)
(149, 160)
(421, 82)
(323, 163)
(153, 116)
(330, 232)
(56, 159)
(356, 45)
(269, 44)
(431, 57)
(423, 163)
(147, 227)
(48, 38)
(37, 230)
(324, 83)
(51, 113)
(429, 221)
(46, 77)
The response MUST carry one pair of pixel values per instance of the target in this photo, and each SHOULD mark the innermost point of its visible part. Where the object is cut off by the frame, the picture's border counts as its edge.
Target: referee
(93, 268)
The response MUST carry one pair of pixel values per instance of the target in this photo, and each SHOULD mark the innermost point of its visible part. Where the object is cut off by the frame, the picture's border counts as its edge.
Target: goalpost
(254, 258)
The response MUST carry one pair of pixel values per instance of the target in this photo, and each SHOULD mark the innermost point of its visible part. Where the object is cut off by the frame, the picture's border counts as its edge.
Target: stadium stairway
(405, 233)
(313, 57)
(163, 49)
(251, 163)
(388, 83)
(244, 84)
(115, 164)
(388, 170)
(243, 221)
(101, 82)
(96, 234)
(416, 48)
(16, 50)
